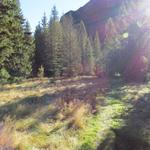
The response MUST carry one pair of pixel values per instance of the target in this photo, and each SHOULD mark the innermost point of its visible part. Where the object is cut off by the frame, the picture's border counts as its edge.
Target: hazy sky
(33, 10)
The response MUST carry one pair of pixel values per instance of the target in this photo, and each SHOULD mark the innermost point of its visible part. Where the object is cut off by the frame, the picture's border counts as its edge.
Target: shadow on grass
(135, 134)
(33, 86)
(27, 106)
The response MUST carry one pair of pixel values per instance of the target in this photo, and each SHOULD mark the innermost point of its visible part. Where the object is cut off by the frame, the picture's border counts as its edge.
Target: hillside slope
(96, 15)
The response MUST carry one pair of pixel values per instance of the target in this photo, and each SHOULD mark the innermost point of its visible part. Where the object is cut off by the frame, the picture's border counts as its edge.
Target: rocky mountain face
(96, 15)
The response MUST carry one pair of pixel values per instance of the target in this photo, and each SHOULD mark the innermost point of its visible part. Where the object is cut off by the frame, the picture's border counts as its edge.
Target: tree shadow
(33, 86)
(135, 135)
(23, 108)
(27, 106)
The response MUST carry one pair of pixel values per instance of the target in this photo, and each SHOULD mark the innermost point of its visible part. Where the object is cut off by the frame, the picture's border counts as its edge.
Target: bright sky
(33, 10)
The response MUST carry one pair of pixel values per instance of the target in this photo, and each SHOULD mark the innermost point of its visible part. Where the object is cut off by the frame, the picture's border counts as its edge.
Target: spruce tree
(71, 49)
(29, 46)
(54, 15)
(38, 60)
(87, 58)
(13, 52)
(6, 34)
(19, 61)
(41, 45)
(55, 43)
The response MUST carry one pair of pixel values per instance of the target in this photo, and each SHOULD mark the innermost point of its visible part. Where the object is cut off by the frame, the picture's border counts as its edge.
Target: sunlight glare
(125, 35)
(147, 8)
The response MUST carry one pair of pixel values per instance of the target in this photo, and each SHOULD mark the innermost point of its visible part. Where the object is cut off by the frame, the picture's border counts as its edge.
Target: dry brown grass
(42, 110)
(7, 135)
(73, 110)
(79, 115)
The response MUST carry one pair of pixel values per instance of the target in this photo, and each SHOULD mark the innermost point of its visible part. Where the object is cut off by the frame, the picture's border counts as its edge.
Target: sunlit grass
(37, 121)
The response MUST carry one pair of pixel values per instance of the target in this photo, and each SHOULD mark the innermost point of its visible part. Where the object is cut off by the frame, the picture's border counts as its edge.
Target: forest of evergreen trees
(16, 42)
(61, 48)
(65, 49)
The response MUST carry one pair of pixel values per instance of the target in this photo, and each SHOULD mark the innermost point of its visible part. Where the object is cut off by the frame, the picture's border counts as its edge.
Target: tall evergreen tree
(56, 43)
(48, 40)
(6, 33)
(41, 45)
(29, 46)
(19, 61)
(38, 60)
(54, 15)
(87, 50)
(13, 56)
(44, 21)
(97, 50)
(71, 49)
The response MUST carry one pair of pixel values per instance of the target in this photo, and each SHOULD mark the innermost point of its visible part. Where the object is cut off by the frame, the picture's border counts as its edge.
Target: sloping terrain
(96, 15)
(82, 113)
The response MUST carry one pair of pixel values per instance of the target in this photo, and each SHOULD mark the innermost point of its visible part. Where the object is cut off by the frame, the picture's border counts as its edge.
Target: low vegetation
(52, 114)
(70, 82)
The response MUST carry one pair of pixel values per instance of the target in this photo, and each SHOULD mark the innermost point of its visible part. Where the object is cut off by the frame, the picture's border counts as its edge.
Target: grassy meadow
(81, 113)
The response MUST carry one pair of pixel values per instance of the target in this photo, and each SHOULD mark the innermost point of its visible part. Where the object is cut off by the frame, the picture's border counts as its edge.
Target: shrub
(41, 72)
(77, 112)
(4, 75)
(74, 110)
(78, 116)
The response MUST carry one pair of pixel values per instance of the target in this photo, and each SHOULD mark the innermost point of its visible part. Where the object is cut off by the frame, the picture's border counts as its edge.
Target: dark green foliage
(4, 75)
(38, 60)
(65, 48)
(41, 45)
(57, 47)
(48, 40)
(56, 40)
(15, 46)
(29, 50)
(53, 45)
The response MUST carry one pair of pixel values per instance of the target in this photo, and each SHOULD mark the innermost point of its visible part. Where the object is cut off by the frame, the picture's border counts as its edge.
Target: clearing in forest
(81, 113)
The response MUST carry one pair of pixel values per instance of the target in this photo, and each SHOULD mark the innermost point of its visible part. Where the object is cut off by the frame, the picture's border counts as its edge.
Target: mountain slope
(97, 13)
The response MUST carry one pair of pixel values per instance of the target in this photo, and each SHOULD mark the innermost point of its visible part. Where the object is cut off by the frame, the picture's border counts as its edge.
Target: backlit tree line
(59, 47)
(63, 48)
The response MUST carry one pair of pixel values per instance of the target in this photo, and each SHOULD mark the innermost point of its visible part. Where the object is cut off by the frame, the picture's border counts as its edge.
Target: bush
(4, 75)
(78, 117)
(41, 72)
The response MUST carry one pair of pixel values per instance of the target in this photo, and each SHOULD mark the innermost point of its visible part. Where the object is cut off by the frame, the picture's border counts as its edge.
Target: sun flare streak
(146, 7)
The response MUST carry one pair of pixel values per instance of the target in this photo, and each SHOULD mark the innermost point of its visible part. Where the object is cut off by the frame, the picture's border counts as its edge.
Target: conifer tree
(54, 45)
(19, 61)
(71, 49)
(6, 33)
(97, 50)
(38, 60)
(13, 56)
(29, 46)
(41, 45)
(56, 37)
(87, 50)
(54, 15)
